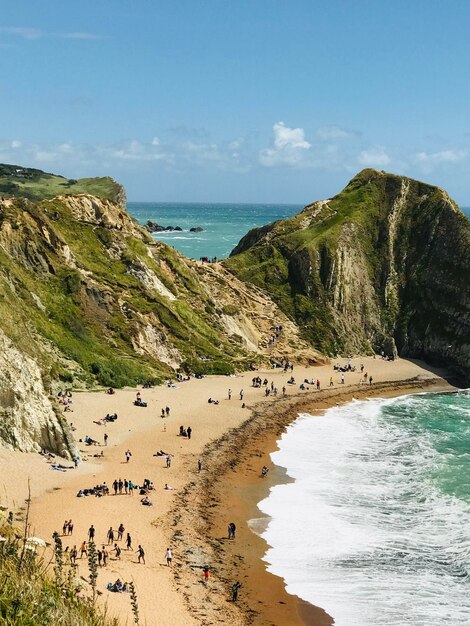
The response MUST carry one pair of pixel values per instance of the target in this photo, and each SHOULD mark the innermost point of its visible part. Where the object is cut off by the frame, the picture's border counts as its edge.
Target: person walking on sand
(128, 455)
(241, 394)
(231, 530)
(83, 550)
(117, 550)
(168, 460)
(140, 554)
(235, 587)
(91, 533)
(199, 465)
(100, 557)
(104, 550)
(110, 535)
(121, 530)
(229, 394)
(105, 439)
(128, 542)
(169, 557)
(370, 380)
(189, 430)
(284, 391)
(73, 555)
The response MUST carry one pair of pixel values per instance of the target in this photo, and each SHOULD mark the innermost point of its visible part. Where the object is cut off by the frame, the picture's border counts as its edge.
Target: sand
(233, 444)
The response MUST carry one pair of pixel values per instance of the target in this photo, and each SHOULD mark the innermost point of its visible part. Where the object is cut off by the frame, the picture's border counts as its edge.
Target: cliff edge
(384, 265)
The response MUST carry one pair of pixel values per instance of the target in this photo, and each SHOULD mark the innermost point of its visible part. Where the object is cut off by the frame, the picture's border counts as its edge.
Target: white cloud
(374, 157)
(335, 133)
(289, 147)
(29, 33)
(443, 156)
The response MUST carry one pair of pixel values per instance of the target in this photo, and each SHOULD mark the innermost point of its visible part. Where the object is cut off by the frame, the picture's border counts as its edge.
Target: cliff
(88, 297)
(384, 265)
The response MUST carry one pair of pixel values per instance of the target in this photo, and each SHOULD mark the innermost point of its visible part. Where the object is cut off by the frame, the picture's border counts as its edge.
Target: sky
(237, 101)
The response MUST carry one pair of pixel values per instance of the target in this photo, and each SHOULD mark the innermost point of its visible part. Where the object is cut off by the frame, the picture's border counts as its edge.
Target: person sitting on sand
(168, 487)
(146, 502)
(291, 381)
(264, 471)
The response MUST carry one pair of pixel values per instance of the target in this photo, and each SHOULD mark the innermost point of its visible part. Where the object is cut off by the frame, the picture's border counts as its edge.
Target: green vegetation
(35, 184)
(370, 268)
(96, 294)
(31, 595)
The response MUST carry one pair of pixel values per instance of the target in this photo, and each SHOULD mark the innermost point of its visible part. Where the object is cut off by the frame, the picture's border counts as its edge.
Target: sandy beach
(232, 443)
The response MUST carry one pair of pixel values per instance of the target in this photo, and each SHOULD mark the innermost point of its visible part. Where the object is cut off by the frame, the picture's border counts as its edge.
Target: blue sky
(242, 101)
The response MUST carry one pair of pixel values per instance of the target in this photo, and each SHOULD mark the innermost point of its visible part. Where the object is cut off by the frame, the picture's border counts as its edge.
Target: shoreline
(233, 489)
(233, 442)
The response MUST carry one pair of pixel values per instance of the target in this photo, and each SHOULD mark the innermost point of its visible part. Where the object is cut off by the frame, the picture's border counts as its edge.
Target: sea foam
(366, 530)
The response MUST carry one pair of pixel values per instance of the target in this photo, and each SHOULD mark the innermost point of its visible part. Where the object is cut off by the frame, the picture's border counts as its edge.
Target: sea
(375, 527)
(224, 224)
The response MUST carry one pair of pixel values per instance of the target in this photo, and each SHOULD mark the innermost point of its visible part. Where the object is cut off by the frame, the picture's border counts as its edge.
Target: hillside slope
(87, 297)
(35, 184)
(384, 263)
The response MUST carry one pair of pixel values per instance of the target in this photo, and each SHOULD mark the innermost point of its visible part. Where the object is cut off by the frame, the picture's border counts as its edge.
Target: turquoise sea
(375, 527)
(224, 224)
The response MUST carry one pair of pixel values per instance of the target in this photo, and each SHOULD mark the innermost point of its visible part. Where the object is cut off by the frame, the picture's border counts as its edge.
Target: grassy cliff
(35, 184)
(384, 263)
(91, 297)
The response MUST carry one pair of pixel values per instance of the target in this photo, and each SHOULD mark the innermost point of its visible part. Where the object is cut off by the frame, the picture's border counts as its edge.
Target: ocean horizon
(224, 223)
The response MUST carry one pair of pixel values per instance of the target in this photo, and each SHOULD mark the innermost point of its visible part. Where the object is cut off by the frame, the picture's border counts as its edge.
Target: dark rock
(196, 229)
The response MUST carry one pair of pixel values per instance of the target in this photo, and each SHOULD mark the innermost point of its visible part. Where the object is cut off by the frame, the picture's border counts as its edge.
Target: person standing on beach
(235, 587)
(284, 391)
(342, 379)
(199, 465)
(331, 381)
(241, 394)
(128, 542)
(169, 557)
(121, 530)
(105, 555)
(131, 488)
(73, 555)
(370, 380)
(140, 554)
(115, 486)
(110, 535)
(105, 439)
(128, 456)
(91, 533)
(189, 430)
(229, 394)
(83, 550)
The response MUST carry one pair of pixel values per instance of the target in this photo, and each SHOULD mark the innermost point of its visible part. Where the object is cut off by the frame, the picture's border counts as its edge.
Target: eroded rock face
(28, 419)
(384, 265)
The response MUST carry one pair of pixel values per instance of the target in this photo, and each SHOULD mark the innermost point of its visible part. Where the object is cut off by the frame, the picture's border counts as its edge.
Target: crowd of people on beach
(117, 542)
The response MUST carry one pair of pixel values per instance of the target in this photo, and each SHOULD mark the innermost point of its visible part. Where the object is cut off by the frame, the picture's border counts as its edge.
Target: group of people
(185, 432)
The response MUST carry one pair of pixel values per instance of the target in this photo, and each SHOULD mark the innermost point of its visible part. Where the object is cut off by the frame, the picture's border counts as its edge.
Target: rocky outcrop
(384, 265)
(29, 421)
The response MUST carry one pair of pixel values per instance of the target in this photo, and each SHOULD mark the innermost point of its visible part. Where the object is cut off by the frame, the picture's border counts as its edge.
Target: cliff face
(28, 419)
(87, 296)
(385, 264)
